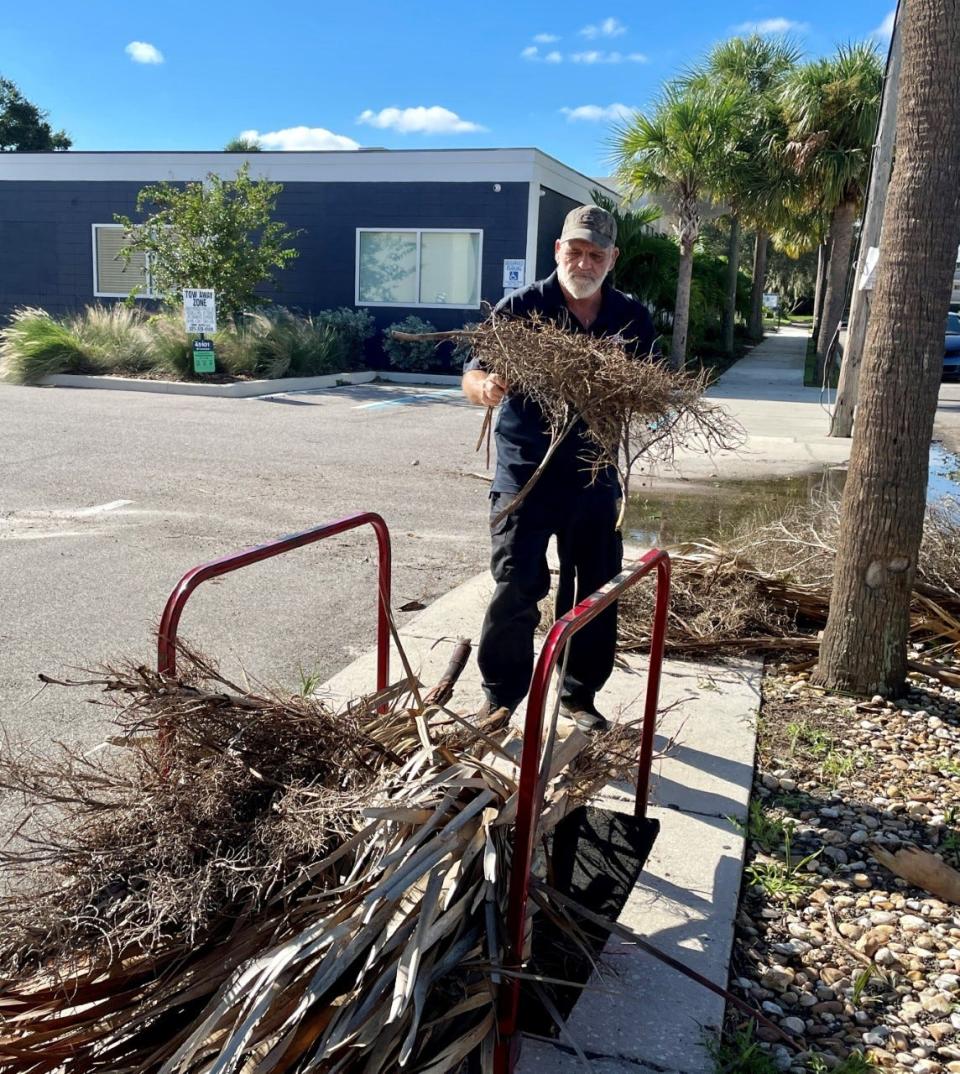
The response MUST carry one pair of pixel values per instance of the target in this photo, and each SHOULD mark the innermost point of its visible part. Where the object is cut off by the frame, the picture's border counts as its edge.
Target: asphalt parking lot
(107, 498)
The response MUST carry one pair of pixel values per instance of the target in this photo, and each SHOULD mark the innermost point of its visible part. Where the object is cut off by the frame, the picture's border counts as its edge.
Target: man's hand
(492, 390)
(484, 389)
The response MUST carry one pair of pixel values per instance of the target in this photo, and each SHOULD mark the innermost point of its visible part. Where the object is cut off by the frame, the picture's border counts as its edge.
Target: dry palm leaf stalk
(768, 588)
(285, 889)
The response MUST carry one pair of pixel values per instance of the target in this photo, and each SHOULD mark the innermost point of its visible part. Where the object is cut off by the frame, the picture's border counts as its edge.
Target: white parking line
(101, 508)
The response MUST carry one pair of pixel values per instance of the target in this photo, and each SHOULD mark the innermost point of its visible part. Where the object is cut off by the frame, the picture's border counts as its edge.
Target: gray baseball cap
(591, 223)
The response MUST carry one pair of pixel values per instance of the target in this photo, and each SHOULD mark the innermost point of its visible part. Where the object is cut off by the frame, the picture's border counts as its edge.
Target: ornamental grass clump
(115, 338)
(33, 345)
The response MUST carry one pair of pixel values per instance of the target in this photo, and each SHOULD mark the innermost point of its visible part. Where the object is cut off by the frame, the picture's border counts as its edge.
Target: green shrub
(353, 329)
(418, 356)
(34, 345)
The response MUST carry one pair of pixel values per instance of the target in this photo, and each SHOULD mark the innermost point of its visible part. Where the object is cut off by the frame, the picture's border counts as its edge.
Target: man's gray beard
(578, 286)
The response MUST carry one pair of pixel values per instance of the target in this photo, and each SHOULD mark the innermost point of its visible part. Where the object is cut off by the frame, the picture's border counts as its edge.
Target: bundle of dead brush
(276, 888)
(768, 587)
(623, 407)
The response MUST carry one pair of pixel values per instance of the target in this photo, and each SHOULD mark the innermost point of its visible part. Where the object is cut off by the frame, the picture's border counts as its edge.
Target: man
(565, 501)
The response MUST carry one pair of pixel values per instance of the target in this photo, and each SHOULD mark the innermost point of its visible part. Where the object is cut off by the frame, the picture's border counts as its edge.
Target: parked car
(951, 347)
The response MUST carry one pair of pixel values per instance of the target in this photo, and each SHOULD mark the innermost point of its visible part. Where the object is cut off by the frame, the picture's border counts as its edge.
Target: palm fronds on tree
(681, 150)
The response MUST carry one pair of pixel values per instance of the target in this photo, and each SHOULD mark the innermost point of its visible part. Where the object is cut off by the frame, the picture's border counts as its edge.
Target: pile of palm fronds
(253, 882)
(624, 407)
(769, 587)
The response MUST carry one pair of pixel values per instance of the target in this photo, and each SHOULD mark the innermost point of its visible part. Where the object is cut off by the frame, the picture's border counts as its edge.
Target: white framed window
(112, 277)
(427, 267)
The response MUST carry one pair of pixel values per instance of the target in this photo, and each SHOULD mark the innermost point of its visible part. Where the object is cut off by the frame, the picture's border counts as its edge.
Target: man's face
(582, 266)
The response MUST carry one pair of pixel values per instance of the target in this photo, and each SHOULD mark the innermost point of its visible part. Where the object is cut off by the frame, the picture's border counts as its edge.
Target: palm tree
(830, 108)
(864, 647)
(754, 66)
(681, 150)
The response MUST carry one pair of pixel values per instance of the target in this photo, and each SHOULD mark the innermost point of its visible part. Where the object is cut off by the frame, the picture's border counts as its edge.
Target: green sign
(204, 360)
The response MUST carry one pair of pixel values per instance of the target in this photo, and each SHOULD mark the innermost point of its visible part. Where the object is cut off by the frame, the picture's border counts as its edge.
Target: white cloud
(596, 113)
(420, 120)
(608, 28)
(553, 57)
(545, 39)
(885, 30)
(777, 25)
(142, 52)
(531, 52)
(608, 57)
(291, 138)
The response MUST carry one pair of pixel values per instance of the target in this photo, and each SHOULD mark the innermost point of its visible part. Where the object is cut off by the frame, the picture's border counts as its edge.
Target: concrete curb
(639, 1016)
(247, 389)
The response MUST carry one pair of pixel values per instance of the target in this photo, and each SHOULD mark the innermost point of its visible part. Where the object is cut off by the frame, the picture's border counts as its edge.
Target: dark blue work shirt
(521, 432)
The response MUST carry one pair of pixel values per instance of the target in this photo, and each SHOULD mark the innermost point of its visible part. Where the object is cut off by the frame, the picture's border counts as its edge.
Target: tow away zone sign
(200, 310)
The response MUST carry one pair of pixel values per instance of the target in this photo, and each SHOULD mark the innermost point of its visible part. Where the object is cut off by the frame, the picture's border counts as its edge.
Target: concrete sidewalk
(640, 1016)
(786, 426)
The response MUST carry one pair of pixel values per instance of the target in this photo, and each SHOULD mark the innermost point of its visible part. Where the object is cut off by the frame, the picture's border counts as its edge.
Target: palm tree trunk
(760, 245)
(681, 307)
(730, 308)
(835, 293)
(864, 648)
(818, 291)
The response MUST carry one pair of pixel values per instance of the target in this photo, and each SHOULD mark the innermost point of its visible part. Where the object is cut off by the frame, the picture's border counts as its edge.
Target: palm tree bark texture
(733, 266)
(838, 267)
(864, 648)
(760, 248)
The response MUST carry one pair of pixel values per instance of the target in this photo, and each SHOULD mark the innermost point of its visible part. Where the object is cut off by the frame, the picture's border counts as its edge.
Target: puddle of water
(670, 515)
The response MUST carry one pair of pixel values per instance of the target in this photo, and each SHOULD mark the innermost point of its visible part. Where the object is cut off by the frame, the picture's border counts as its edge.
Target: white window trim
(418, 231)
(97, 293)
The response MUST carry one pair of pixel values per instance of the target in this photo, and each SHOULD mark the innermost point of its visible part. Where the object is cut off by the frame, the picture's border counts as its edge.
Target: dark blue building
(431, 232)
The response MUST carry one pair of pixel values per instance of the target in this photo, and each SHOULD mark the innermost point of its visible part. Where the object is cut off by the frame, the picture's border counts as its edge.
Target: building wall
(46, 256)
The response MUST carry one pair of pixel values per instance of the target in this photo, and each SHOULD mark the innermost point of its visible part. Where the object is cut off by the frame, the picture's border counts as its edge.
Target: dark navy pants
(591, 553)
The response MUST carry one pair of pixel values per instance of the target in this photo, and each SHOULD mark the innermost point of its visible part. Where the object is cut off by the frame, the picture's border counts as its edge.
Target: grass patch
(740, 1052)
(764, 829)
(787, 880)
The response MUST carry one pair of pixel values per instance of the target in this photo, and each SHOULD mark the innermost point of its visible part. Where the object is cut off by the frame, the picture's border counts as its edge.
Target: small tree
(23, 126)
(219, 234)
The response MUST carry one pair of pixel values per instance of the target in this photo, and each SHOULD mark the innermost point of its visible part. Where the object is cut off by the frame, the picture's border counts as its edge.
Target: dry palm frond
(592, 387)
(282, 888)
(769, 587)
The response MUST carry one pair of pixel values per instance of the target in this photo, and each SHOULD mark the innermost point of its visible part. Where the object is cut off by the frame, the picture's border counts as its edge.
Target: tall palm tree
(864, 647)
(754, 66)
(681, 150)
(830, 108)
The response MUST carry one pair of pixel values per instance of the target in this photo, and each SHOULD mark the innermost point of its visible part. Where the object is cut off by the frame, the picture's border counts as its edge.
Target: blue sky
(314, 75)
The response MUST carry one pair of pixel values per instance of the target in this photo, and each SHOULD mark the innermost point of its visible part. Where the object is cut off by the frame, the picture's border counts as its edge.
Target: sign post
(200, 318)
(771, 302)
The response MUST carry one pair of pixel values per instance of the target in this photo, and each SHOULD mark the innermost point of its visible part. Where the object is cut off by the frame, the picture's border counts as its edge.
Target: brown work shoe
(491, 717)
(584, 715)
